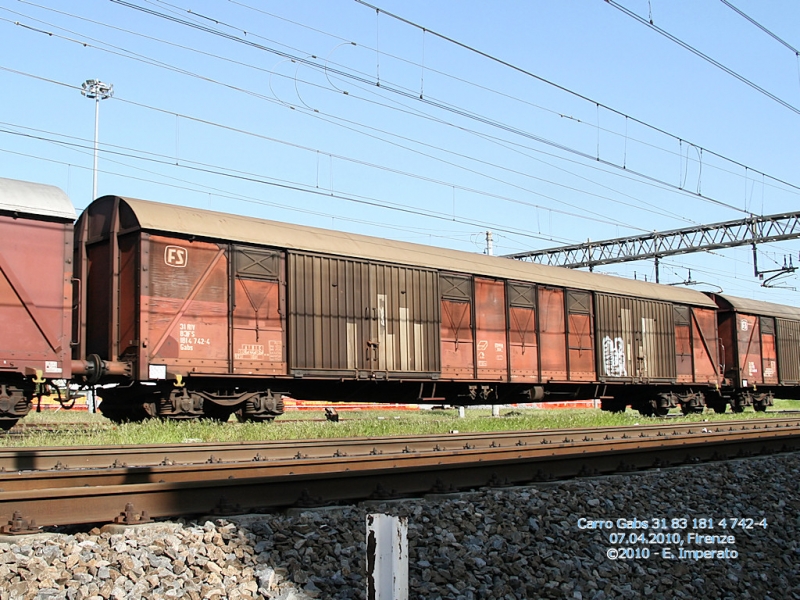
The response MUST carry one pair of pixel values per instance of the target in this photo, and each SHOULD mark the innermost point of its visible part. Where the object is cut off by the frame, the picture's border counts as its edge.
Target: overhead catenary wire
(217, 21)
(524, 101)
(644, 177)
(122, 52)
(295, 186)
(393, 89)
(564, 89)
(762, 27)
(193, 186)
(702, 55)
(589, 215)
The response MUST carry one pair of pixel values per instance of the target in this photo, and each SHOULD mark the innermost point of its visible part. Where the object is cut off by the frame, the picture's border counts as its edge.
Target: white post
(387, 557)
(96, 143)
(490, 252)
(462, 413)
(96, 90)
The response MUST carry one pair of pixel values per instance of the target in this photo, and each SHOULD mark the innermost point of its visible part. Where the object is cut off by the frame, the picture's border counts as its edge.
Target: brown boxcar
(761, 344)
(214, 313)
(35, 292)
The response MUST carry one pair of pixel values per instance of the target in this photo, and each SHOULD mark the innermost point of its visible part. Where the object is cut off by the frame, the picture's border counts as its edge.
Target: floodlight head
(96, 89)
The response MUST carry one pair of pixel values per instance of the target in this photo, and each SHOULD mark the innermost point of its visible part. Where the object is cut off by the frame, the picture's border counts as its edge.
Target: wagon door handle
(374, 347)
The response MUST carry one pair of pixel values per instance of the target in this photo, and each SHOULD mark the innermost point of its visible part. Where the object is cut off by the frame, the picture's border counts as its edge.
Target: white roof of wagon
(35, 199)
(761, 308)
(165, 218)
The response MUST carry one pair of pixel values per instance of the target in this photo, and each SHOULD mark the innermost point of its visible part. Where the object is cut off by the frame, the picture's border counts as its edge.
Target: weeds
(93, 429)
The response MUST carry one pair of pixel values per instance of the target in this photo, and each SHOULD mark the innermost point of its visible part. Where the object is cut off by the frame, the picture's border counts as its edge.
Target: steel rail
(153, 455)
(215, 468)
(237, 487)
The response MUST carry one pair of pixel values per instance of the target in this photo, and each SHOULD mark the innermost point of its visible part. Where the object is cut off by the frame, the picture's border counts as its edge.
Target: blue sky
(273, 109)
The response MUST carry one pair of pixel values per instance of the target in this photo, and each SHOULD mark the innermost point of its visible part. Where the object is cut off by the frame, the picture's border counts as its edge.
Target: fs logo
(175, 256)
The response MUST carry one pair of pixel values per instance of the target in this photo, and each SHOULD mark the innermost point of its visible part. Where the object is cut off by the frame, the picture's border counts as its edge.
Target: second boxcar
(197, 313)
(761, 344)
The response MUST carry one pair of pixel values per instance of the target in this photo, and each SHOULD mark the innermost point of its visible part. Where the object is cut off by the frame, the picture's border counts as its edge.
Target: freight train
(185, 313)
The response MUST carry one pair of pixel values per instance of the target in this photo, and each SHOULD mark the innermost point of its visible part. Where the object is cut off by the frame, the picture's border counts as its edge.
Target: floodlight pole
(97, 90)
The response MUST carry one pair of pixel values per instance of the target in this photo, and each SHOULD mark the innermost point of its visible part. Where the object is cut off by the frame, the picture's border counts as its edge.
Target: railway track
(87, 485)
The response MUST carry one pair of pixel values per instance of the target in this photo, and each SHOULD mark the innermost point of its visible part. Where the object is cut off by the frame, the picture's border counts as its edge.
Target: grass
(93, 429)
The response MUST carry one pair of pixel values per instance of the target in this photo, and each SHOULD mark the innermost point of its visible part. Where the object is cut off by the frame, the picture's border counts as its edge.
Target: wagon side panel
(552, 334)
(258, 307)
(636, 339)
(788, 333)
(705, 345)
(188, 305)
(522, 339)
(490, 330)
(580, 323)
(684, 358)
(748, 334)
(457, 343)
(769, 355)
(35, 296)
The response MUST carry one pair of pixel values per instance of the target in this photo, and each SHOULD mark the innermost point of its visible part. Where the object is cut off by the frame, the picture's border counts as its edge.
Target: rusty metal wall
(258, 305)
(769, 358)
(35, 296)
(705, 345)
(552, 335)
(748, 345)
(458, 344)
(522, 332)
(727, 341)
(788, 332)
(348, 315)
(636, 338)
(185, 312)
(127, 326)
(580, 327)
(684, 362)
(97, 285)
(491, 330)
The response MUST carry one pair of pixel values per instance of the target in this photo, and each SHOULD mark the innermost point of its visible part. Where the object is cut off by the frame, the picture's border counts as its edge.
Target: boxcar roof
(759, 307)
(166, 218)
(35, 199)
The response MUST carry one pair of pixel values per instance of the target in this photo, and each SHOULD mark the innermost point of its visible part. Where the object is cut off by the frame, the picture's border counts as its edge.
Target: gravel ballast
(500, 543)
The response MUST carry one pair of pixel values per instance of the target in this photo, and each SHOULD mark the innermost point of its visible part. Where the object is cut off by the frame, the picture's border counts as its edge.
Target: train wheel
(6, 424)
(741, 400)
(662, 411)
(760, 407)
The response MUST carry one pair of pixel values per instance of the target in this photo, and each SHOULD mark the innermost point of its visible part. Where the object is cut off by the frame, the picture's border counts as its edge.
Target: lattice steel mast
(752, 230)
